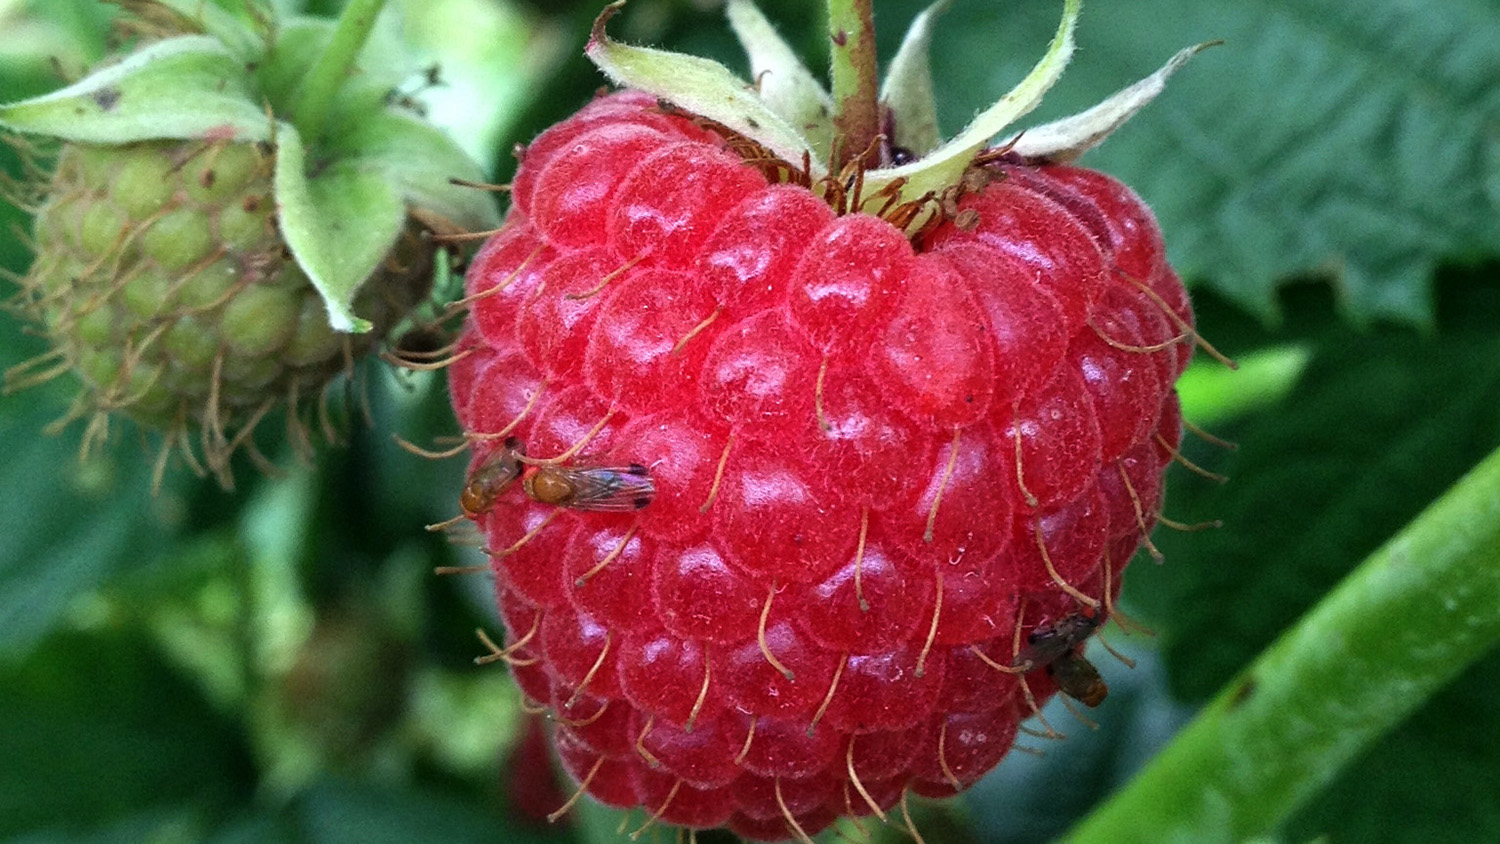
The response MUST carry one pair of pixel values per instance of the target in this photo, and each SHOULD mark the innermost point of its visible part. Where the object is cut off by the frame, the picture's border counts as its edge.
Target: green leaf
(96, 729)
(381, 66)
(161, 826)
(299, 41)
(342, 811)
(340, 223)
(258, 829)
(59, 544)
(785, 83)
(1212, 393)
(69, 528)
(329, 76)
(419, 160)
(1346, 138)
(697, 85)
(186, 87)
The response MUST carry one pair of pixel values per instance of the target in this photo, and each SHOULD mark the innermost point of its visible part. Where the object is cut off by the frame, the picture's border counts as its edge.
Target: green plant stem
(1212, 394)
(855, 79)
(1408, 620)
(327, 76)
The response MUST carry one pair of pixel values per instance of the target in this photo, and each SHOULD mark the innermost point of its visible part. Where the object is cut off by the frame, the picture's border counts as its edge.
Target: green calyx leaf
(946, 165)
(196, 16)
(339, 224)
(785, 84)
(699, 86)
(342, 219)
(191, 86)
(908, 91)
(1070, 137)
(421, 162)
(329, 78)
(790, 114)
(380, 68)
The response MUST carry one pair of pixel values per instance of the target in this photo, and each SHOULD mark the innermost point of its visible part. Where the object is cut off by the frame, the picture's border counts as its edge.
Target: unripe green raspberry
(232, 222)
(162, 280)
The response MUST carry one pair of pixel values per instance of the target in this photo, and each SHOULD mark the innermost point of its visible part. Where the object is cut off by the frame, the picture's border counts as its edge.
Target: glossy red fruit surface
(878, 464)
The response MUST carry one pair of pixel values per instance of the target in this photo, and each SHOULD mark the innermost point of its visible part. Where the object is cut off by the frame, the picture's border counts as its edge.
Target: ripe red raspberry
(878, 465)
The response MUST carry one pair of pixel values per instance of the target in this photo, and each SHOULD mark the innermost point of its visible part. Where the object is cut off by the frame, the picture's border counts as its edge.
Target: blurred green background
(280, 664)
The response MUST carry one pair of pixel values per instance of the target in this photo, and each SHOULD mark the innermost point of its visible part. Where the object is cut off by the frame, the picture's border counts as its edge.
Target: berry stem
(327, 76)
(1414, 615)
(855, 77)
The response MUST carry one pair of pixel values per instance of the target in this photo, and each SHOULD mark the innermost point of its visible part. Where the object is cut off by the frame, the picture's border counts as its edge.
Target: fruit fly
(1056, 649)
(1077, 678)
(590, 487)
(490, 478)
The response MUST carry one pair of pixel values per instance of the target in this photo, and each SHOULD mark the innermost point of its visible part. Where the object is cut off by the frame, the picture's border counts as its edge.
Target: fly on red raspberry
(602, 487)
(1055, 648)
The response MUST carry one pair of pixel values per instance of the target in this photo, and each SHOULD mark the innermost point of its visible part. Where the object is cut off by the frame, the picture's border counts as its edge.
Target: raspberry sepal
(776, 119)
(908, 87)
(191, 86)
(786, 86)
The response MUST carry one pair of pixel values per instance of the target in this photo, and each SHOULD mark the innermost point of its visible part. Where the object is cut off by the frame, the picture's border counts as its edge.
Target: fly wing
(1049, 643)
(1045, 648)
(498, 470)
(614, 489)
